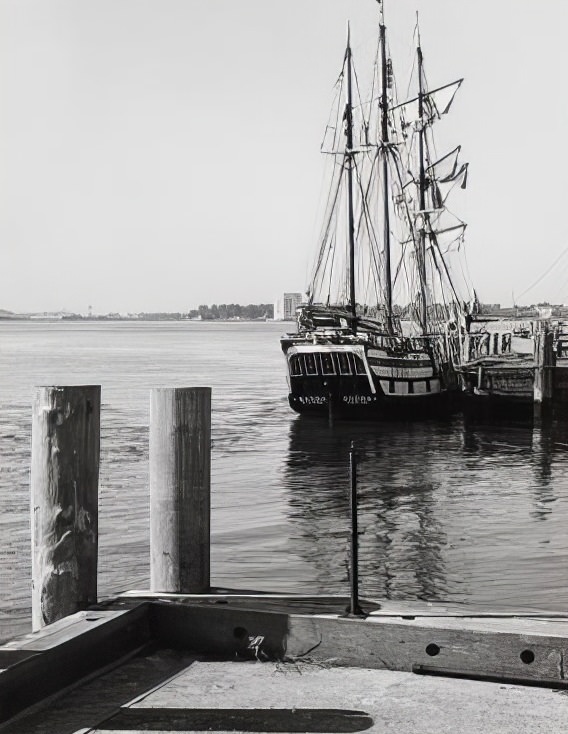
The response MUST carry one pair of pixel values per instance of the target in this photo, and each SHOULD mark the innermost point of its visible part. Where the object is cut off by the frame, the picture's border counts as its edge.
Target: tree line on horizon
(233, 311)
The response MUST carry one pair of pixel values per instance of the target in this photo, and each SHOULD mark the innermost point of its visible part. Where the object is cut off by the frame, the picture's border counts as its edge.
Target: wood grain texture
(466, 645)
(64, 500)
(78, 649)
(180, 489)
(544, 362)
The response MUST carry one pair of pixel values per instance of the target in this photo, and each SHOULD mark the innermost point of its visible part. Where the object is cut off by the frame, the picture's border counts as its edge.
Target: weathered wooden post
(496, 342)
(64, 500)
(544, 362)
(466, 348)
(180, 492)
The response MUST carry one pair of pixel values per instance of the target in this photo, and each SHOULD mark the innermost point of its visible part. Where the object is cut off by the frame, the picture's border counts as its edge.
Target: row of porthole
(527, 656)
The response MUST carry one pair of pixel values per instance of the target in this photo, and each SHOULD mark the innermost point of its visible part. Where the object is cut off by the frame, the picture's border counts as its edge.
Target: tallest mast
(349, 165)
(384, 106)
(421, 189)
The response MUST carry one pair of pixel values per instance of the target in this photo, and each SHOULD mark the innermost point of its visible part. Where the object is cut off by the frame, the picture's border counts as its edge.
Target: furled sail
(433, 245)
(330, 282)
(449, 168)
(436, 102)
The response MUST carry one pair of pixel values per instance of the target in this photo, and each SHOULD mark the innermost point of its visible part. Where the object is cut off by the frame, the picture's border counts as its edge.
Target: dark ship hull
(380, 259)
(358, 378)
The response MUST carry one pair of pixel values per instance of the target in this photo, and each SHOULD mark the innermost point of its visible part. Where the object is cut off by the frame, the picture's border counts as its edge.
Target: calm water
(449, 511)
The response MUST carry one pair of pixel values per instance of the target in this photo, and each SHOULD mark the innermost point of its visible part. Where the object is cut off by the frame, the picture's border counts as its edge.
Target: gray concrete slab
(341, 675)
(396, 701)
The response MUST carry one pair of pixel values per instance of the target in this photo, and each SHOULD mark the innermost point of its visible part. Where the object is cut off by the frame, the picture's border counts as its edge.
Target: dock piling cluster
(64, 495)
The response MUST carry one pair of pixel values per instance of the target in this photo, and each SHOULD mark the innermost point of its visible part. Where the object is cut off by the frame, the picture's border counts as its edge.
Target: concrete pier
(266, 663)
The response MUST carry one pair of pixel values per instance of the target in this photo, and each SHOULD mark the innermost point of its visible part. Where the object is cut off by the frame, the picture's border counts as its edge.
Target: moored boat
(379, 333)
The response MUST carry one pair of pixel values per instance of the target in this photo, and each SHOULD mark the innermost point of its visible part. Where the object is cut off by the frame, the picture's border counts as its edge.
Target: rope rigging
(546, 272)
(394, 209)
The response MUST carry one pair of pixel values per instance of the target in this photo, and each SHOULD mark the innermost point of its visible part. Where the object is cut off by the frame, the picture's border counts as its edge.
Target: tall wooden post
(495, 349)
(544, 362)
(64, 500)
(180, 492)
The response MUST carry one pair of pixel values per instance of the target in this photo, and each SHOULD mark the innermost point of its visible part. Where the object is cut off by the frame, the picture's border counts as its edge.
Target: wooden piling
(64, 501)
(544, 362)
(180, 478)
(496, 342)
(466, 348)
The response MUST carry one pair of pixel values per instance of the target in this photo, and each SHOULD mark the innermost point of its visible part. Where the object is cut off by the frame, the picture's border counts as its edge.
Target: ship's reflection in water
(459, 511)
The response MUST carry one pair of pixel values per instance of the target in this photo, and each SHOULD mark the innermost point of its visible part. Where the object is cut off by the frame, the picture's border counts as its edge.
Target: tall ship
(381, 329)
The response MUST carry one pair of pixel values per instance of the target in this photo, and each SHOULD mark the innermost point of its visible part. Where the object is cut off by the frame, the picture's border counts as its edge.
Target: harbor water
(455, 509)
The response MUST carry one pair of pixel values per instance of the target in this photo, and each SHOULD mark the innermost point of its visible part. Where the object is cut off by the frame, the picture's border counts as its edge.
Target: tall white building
(285, 307)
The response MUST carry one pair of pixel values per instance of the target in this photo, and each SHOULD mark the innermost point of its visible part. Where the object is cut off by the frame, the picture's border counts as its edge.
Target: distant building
(544, 312)
(487, 308)
(285, 307)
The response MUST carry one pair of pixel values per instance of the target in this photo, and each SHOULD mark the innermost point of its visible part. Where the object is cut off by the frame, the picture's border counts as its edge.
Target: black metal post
(354, 608)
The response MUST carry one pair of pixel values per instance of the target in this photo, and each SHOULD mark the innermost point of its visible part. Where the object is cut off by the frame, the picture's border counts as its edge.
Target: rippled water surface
(449, 510)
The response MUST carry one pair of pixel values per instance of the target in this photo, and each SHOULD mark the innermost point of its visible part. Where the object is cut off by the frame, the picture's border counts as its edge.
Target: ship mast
(349, 162)
(422, 190)
(384, 150)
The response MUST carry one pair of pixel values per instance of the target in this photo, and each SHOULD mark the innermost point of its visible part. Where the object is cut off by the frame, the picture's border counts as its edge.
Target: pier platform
(242, 661)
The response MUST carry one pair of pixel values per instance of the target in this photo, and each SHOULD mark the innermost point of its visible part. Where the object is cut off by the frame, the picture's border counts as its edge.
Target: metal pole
(354, 608)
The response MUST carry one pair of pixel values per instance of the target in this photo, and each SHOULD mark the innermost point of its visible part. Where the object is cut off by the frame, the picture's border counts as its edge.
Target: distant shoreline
(98, 319)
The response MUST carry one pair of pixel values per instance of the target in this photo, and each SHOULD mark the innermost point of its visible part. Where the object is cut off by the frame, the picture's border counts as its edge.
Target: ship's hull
(363, 380)
(379, 408)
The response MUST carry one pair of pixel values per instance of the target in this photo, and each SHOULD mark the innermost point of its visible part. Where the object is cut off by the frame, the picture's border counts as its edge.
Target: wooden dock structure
(184, 657)
(262, 662)
(497, 380)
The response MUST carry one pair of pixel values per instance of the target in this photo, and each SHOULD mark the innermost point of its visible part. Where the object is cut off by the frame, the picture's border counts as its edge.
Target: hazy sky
(159, 154)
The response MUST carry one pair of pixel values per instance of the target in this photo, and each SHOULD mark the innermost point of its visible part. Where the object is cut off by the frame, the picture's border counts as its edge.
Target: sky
(160, 154)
